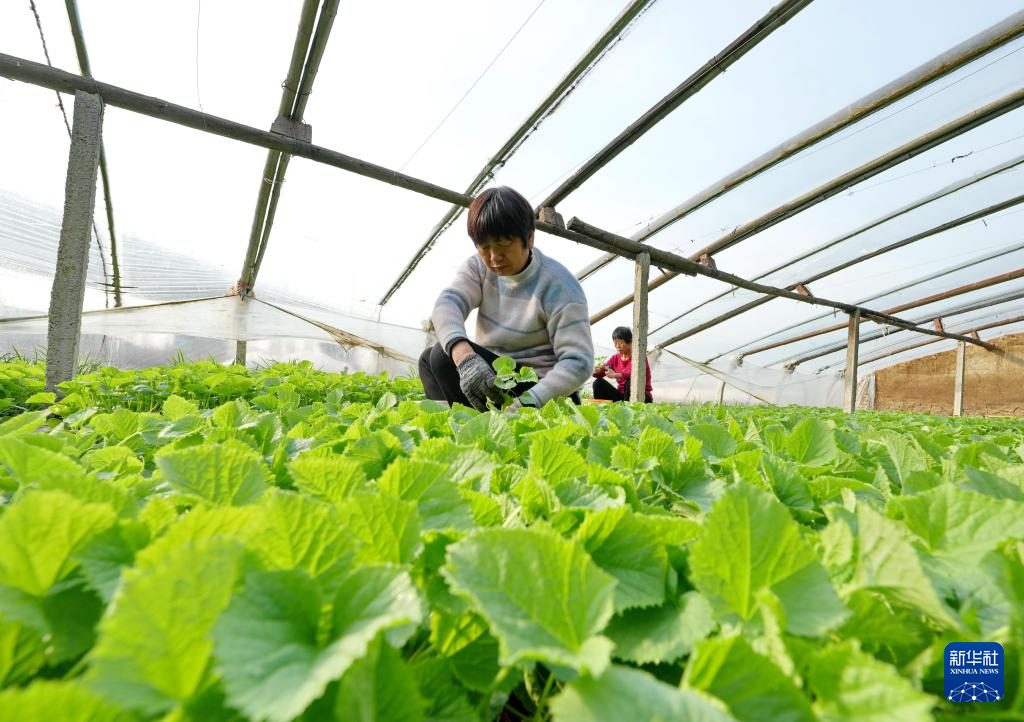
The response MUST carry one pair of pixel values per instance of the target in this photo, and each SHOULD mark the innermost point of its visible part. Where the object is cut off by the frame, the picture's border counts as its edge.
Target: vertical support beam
(721, 393)
(852, 352)
(959, 377)
(240, 348)
(640, 288)
(68, 292)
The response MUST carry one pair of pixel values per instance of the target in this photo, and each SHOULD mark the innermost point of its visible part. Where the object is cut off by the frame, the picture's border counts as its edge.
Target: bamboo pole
(951, 293)
(83, 62)
(956, 57)
(64, 323)
(578, 229)
(930, 198)
(959, 378)
(638, 383)
(775, 18)
(611, 36)
(852, 351)
(948, 131)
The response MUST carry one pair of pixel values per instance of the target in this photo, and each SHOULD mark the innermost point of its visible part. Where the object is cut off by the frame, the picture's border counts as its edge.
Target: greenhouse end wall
(994, 383)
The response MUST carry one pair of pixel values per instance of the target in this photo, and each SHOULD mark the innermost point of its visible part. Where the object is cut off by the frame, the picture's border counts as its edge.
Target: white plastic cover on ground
(184, 200)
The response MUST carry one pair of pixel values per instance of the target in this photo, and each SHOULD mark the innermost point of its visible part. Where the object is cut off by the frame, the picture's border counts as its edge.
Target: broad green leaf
(331, 478)
(267, 640)
(21, 653)
(229, 474)
(662, 635)
(962, 523)
(200, 525)
(175, 407)
(39, 535)
(117, 426)
(716, 442)
(626, 548)
(750, 543)
(106, 555)
(576, 494)
(43, 397)
(46, 700)
(440, 505)
(812, 443)
(753, 688)
(388, 527)
(380, 687)
(554, 461)
(30, 464)
(557, 622)
(154, 646)
(893, 635)
(624, 693)
(22, 424)
(374, 452)
(298, 532)
(907, 457)
(885, 562)
(851, 686)
(445, 701)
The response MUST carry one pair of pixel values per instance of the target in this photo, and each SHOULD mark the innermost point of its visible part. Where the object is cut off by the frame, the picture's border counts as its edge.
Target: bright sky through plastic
(394, 68)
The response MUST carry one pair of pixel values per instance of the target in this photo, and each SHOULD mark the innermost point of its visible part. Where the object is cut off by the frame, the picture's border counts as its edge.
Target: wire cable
(470, 90)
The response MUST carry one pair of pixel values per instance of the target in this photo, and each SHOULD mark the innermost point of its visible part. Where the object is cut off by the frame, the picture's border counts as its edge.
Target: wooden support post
(959, 378)
(721, 393)
(639, 376)
(240, 349)
(852, 348)
(68, 293)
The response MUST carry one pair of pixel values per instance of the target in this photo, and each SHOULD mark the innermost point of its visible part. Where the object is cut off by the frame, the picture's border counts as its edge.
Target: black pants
(440, 375)
(608, 392)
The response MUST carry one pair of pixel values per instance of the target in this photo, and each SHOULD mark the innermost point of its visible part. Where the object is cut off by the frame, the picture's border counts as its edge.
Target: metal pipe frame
(27, 71)
(917, 303)
(938, 136)
(577, 227)
(956, 57)
(821, 351)
(611, 37)
(930, 198)
(772, 20)
(896, 289)
(926, 342)
(83, 62)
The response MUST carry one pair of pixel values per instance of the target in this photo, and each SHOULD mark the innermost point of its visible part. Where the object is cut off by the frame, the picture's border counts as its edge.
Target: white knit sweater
(538, 317)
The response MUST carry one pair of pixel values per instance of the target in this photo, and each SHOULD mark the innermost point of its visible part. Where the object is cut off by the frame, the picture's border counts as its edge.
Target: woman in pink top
(619, 368)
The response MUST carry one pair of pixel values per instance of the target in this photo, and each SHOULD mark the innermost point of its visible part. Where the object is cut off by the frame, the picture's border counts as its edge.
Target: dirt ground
(994, 382)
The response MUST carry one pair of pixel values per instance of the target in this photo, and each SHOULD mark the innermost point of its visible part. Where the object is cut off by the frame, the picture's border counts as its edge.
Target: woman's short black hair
(623, 333)
(500, 213)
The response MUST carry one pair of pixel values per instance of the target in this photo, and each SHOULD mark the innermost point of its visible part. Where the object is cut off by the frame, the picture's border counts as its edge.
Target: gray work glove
(476, 379)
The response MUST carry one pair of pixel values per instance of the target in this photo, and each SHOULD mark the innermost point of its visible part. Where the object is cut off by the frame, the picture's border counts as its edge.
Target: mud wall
(994, 383)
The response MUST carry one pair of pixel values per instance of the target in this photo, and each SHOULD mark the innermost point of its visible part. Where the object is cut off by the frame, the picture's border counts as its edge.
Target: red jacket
(625, 367)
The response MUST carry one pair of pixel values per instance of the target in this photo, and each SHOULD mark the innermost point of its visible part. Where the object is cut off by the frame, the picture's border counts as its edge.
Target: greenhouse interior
(226, 494)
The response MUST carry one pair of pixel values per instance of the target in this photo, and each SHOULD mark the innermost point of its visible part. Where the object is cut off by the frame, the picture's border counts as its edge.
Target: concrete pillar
(68, 293)
(852, 359)
(959, 376)
(640, 288)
